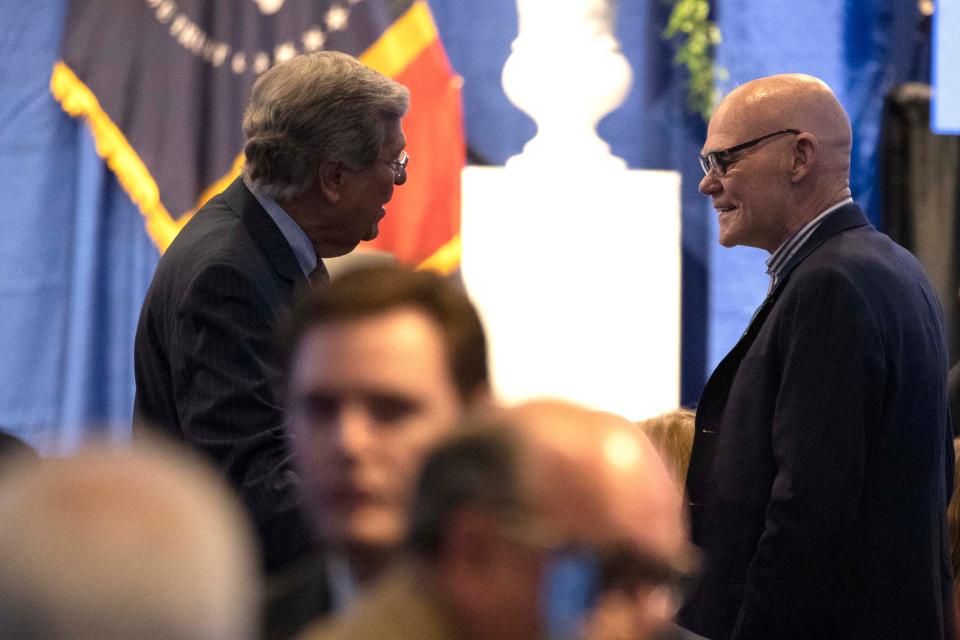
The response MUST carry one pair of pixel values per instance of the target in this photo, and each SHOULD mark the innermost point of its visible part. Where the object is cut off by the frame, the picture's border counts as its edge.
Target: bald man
(549, 521)
(821, 466)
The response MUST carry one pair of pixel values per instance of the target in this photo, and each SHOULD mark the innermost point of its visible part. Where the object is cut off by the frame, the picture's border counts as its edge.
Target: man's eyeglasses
(717, 162)
(400, 168)
(576, 577)
(613, 567)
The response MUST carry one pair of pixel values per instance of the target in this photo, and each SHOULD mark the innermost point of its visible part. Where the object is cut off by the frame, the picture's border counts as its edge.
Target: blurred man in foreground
(384, 362)
(547, 521)
(118, 546)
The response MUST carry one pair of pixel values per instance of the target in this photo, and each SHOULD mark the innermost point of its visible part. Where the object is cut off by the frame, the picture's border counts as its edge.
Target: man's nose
(354, 429)
(710, 184)
(657, 608)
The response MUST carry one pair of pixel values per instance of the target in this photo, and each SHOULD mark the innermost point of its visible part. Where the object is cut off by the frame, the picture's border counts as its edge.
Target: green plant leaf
(695, 38)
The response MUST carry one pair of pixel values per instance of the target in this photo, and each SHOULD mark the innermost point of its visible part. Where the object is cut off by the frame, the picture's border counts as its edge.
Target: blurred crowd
(327, 458)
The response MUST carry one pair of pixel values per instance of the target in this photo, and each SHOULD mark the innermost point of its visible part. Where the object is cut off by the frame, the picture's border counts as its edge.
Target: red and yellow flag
(163, 85)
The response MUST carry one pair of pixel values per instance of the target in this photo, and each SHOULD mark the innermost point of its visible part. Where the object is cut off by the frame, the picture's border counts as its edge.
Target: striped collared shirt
(779, 258)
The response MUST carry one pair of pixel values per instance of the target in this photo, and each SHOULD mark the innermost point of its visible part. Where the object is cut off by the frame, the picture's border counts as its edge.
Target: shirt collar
(779, 258)
(295, 236)
(340, 579)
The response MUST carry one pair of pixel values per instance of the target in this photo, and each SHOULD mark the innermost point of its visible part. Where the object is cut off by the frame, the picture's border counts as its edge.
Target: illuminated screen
(946, 68)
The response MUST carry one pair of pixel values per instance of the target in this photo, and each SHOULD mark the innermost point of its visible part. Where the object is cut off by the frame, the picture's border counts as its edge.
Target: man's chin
(372, 233)
(374, 229)
(728, 237)
(372, 550)
(366, 528)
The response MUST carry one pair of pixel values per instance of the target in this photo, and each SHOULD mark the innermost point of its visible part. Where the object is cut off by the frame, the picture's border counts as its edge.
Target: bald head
(778, 152)
(593, 476)
(598, 477)
(512, 502)
(112, 545)
(795, 101)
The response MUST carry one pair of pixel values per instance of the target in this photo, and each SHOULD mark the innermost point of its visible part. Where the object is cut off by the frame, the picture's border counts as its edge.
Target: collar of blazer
(846, 217)
(264, 231)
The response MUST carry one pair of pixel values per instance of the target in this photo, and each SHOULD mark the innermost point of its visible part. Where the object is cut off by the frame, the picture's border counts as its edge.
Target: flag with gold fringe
(163, 84)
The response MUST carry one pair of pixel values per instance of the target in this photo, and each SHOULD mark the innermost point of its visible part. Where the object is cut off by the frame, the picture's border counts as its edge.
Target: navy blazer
(207, 362)
(822, 463)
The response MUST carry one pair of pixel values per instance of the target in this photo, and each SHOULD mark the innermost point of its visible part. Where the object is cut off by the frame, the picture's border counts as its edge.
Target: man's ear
(804, 156)
(330, 178)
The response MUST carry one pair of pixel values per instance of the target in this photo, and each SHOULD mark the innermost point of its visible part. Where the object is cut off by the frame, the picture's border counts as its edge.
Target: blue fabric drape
(74, 258)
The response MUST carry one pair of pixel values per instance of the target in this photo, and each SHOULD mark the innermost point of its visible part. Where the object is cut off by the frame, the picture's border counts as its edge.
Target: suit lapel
(714, 395)
(713, 400)
(264, 231)
(846, 217)
(716, 390)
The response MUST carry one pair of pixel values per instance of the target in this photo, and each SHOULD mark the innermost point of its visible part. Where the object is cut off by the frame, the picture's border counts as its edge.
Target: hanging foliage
(696, 38)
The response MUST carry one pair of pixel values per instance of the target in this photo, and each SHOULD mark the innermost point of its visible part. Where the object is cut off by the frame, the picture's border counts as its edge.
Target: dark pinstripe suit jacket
(207, 363)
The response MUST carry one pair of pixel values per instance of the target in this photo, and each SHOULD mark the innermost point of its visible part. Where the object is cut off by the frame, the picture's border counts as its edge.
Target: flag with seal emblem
(163, 85)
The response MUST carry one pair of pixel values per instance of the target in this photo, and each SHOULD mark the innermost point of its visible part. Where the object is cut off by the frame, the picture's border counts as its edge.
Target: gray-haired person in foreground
(148, 545)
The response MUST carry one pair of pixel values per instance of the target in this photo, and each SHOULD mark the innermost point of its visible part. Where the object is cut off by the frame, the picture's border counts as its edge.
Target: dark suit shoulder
(295, 598)
(216, 232)
(207, 365)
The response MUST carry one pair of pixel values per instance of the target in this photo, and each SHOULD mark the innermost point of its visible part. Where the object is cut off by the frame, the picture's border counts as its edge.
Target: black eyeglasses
(613, 567)
(400, 168)
(717, 162)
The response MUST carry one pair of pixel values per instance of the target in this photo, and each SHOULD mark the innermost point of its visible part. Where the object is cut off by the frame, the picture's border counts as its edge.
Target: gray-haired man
(324, 151)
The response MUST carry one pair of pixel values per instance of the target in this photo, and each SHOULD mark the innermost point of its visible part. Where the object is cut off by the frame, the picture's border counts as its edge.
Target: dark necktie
(319, 276)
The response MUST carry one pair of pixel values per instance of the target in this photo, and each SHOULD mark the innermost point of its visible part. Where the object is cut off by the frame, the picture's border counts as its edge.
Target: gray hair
(316, 108)
(146, 544)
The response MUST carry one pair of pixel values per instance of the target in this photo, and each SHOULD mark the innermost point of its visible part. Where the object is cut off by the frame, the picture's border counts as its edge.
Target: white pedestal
(578, 284)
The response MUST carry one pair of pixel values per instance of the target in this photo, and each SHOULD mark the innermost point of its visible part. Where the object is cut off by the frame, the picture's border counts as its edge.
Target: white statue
(566, 72)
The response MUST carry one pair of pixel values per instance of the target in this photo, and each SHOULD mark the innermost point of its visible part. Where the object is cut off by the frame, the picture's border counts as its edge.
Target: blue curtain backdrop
(75, 261)
(74, 258)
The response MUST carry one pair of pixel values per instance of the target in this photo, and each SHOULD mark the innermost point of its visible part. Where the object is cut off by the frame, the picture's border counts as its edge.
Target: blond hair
(672, 434)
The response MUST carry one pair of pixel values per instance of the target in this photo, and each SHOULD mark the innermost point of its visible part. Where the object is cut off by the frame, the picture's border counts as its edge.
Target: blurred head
(547, 517)
(778, 154)
(672, 435)
(111, 546)
(384, 362)
(323, 136)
